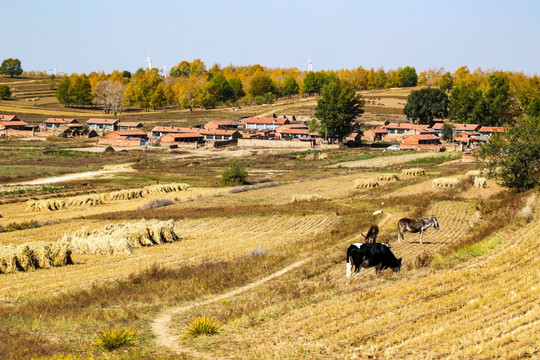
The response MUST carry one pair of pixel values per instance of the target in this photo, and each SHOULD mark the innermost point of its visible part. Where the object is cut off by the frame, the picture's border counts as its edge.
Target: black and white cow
(415, 226)
(371, 255)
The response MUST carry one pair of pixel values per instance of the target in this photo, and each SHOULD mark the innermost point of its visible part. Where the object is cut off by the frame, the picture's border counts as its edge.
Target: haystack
(306, 197)
(365, 183)
(128, 194)
(413, 172)
(36, 255)
(445, 183)
(387, 177)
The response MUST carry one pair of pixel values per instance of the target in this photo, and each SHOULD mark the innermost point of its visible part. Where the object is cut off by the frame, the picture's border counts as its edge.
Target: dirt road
(109, 169)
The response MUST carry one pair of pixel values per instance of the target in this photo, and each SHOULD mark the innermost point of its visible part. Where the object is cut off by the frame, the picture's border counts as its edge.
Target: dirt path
(164, 334)
(109, 169)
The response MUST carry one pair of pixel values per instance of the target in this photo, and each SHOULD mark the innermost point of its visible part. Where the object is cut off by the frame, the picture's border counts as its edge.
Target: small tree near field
(5, 93)
(426, 104)
(11, 67)
(234, 174)
(447, 131)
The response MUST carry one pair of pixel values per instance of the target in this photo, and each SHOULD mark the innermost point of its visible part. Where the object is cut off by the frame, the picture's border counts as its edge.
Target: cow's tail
(349, 266)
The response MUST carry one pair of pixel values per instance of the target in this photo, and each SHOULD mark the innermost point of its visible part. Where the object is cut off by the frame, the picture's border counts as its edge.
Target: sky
(105, 35)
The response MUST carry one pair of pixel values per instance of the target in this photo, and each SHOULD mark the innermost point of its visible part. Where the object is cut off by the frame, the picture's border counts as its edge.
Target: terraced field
(484, 308)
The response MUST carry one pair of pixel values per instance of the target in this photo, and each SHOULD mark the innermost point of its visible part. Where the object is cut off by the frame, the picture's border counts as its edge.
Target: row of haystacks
(413, 172)
(99, 199)
(121, 238)
(165, 188)
(45, 205)
(306, 198)
(32, 256)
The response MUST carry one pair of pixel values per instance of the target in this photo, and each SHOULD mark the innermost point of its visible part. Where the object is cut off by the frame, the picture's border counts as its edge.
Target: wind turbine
(53, 70)
(310, 63)
(149, 60)
(164, 68)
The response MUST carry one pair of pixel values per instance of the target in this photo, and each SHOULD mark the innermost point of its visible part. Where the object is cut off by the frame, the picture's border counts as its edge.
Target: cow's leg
(349, 267)
(378, 270)
(421, 232)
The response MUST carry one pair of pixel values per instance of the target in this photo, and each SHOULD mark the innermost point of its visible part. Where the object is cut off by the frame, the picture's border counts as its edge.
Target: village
(275, 131)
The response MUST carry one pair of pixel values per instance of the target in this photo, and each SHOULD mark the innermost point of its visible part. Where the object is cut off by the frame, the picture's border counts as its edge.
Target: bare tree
(109, 94)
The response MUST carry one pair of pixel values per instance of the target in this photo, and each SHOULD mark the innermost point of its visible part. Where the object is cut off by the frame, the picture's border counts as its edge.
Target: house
(125, 138)
(466, 128)
(353, 139)
(221, 125)
(159, 131)
(421, 141)
(124, 125)
(375, 134)
(295, 133)
(220, 135)
(182, 139)
(487, 131)
(102, 124)
(52, 124)
(17, 128)
(260, 123)
(406, 129)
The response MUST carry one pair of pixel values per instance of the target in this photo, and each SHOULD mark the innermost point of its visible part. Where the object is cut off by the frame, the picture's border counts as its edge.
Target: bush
(203, 326)
(113, 338)
(233, 174)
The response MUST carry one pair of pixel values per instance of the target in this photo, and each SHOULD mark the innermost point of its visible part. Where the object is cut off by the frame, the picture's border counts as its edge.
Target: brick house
(124, 125)
(260, 123)
(102, 124)
(52, 124)
(159, 131)
(182, 139)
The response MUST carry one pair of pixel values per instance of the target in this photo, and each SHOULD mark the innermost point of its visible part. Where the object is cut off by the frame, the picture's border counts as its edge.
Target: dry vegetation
(469, 292)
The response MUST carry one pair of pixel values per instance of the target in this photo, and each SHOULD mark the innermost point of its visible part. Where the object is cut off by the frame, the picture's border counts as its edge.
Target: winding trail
(164, 334)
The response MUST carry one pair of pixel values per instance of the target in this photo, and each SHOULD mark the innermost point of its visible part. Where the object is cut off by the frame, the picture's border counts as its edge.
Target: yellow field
(484, 308)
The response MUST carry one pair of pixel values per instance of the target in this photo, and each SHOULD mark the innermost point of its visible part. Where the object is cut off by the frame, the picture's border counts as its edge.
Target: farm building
(421, 141)
(375, 134)
(408, 129)
(182, 139)
(159, 131)
(102, 124)
(220, 135)
(126, 138)
(17, 128)
(466, 128)
(353, 139)
(487, 131)
(295, 133)
(260, 123)
(221, 125)
(124, 125)
(52, 124)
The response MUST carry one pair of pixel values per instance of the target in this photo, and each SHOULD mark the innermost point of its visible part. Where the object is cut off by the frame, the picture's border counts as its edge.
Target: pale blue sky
(104, 35)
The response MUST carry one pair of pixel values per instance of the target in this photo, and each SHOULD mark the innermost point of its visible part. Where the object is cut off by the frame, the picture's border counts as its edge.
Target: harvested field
(202, 239)
(390, 160)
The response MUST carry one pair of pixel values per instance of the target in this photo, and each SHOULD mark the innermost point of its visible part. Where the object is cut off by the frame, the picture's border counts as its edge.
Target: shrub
(202, 326)
(113, 338)
(235, 173)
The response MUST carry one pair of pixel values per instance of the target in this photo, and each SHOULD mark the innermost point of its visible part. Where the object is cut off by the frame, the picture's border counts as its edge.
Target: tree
(516, 153)
(447, 82)
(290, 86)
(466, 103)
(237, 88)
(207, 96)
(533, 109)
(310, 85)
(63, 93)
(447, 131)
(234, 173)
(11, 67)
(498, 104)
(5, 93)
(426, 104)
(222, 87)
(261, 84)
(82, 90)
(337, 107)
(409, 78)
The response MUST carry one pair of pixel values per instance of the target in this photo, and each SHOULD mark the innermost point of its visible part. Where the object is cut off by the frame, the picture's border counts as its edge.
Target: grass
(202, 326)
(113, 338)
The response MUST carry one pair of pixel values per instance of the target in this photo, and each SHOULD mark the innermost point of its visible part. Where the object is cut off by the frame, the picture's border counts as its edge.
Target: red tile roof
(304, 131)
(13, 123)
(185, 135)
(173, 129)
(491, 129)
(423, 137)
(129, 124)
(261, 120)
(404, 125)
(102, 121)
(218, 132)
(377, 131)
(8, 118)
(465, 127)
(130, 133)
(60, 121)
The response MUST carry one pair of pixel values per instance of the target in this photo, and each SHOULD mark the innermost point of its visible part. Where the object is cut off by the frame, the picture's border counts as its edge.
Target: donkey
(371, 236)
(415, 226)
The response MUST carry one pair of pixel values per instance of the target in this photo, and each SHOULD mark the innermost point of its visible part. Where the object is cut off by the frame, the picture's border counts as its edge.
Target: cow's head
(435, 222)
(398, 267)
